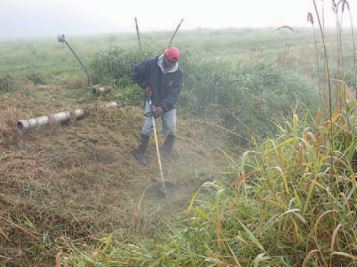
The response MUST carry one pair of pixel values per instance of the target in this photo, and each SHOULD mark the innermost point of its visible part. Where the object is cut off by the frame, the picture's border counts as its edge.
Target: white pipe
(111, 105)
(99, 89)
(23, 125)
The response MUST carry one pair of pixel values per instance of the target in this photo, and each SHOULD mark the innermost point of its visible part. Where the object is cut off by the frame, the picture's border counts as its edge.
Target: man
(162, 80)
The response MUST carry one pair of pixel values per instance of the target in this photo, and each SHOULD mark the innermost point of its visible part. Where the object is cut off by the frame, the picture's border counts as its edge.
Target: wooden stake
(172, 37)
(137, 32)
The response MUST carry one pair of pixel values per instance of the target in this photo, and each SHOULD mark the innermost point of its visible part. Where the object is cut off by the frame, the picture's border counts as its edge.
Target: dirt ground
(74, 182)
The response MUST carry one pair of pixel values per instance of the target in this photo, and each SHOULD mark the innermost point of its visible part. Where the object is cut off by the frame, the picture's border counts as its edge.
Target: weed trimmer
(163, 188)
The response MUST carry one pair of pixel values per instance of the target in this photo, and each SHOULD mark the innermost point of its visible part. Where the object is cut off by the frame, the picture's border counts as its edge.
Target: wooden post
(172, 37)
(137, 32)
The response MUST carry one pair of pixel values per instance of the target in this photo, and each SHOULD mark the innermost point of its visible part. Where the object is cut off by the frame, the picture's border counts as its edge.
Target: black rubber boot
(142, 148)
(168, 144)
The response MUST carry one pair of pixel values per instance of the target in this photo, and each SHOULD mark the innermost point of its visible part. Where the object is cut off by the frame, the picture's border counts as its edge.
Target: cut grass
(75, 182)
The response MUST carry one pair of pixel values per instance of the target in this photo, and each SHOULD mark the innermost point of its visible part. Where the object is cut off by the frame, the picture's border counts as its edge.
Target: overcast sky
(34, 18)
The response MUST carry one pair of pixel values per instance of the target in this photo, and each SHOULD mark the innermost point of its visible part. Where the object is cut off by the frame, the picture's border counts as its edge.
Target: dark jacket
(166, 87)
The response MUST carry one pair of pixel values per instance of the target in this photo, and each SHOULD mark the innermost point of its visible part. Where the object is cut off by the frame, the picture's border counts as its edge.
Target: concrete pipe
(60, 117)
(111, 105)
(100, 89)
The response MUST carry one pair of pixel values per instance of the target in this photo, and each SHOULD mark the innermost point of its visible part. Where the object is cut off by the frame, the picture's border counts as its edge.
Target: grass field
(53, 59)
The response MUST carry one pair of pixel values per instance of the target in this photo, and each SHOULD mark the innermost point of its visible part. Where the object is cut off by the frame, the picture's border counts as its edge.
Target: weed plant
(6, 83)
(36, 78)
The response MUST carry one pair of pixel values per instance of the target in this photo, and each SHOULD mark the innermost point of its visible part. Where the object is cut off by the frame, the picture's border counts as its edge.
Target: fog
(36, 18)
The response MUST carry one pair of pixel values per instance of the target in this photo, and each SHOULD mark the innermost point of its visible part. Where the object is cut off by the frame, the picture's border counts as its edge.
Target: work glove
(158, 111)
(148, 90)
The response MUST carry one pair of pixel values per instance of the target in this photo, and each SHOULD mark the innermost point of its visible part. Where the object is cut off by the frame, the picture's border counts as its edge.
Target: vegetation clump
(6, 83)
(245, 98)
(115, 65)
(36, 78)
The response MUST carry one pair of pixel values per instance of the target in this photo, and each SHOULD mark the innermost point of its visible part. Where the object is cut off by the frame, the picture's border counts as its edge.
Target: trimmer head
(163, 190)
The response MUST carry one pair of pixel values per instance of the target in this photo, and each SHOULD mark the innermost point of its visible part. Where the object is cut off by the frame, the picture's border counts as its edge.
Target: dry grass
(71, 182)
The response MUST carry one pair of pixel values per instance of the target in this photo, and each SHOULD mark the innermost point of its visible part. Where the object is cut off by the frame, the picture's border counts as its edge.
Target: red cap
(172, 54)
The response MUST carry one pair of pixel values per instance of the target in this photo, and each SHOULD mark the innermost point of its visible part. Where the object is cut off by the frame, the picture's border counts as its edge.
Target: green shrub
(131, 95)
(6, 83)
(116, 65)
(36, 78)
(244, 96)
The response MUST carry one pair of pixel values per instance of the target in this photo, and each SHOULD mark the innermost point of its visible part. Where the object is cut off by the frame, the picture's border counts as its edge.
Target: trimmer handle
(151, 113)
(151, 105)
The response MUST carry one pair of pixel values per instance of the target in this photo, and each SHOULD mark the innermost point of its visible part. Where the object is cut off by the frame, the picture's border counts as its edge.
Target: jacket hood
(160, 63)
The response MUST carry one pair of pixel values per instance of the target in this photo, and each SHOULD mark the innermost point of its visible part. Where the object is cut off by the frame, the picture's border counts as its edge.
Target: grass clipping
(73, 182)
